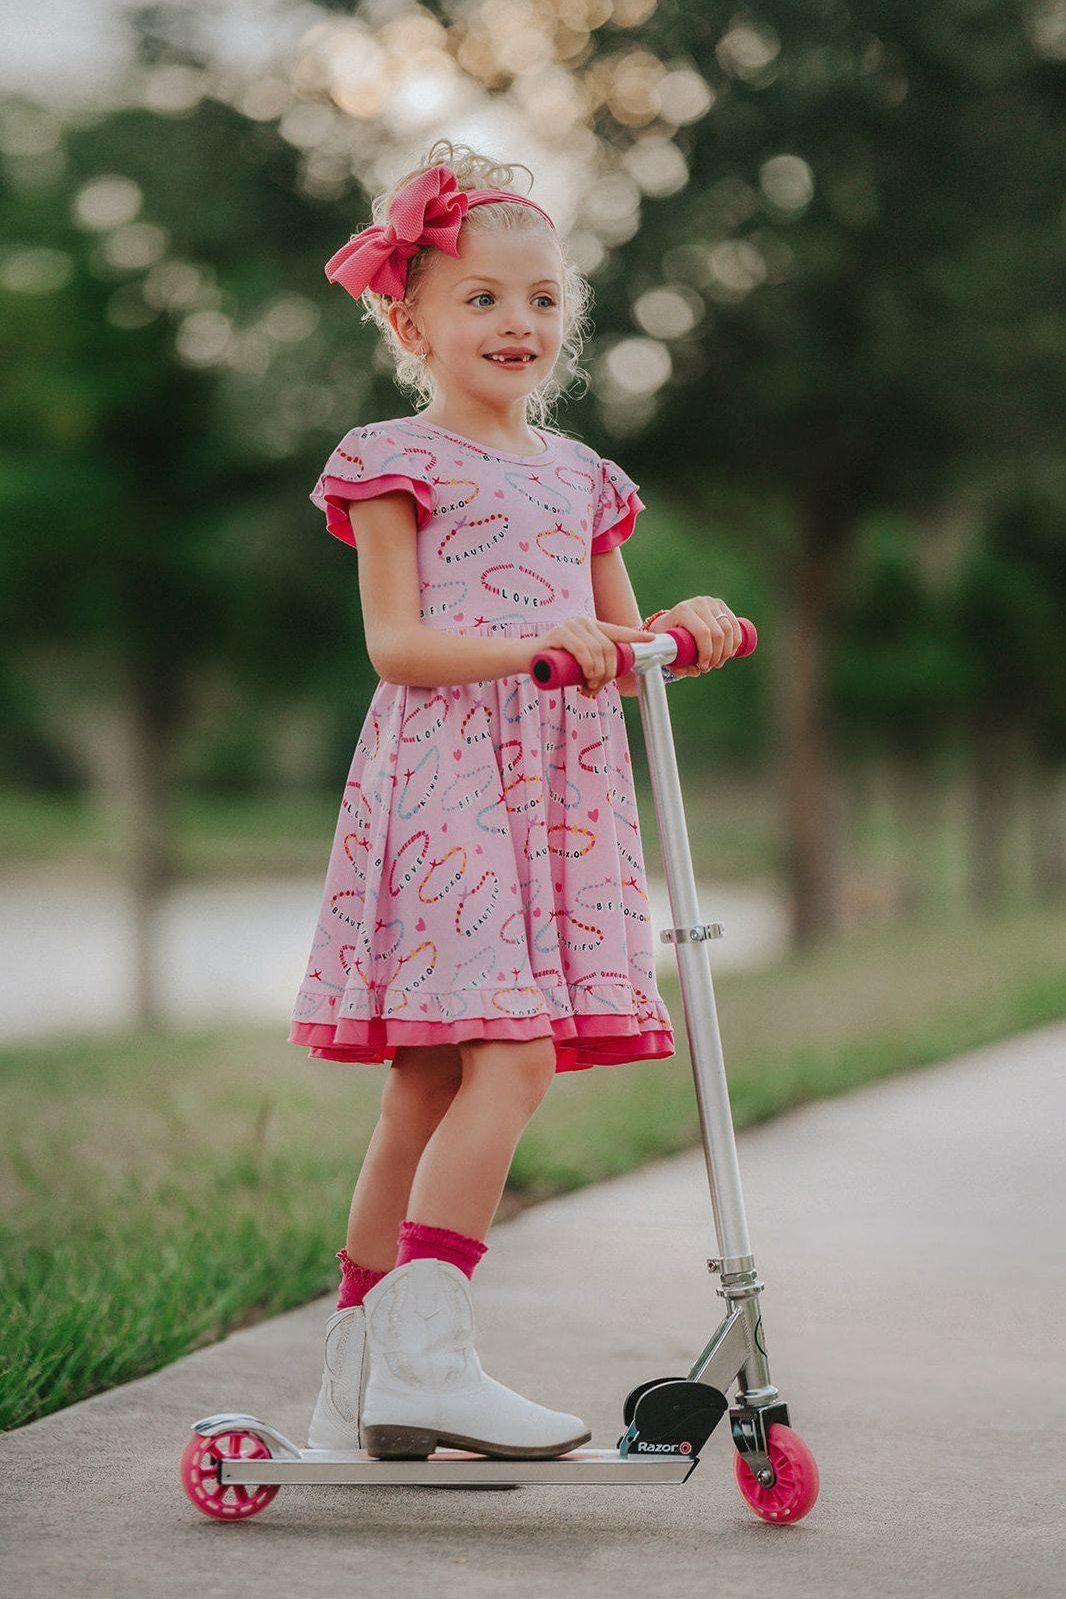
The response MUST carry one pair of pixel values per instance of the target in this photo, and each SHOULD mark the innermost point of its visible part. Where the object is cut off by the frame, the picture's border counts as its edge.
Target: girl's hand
(713, 626)
(590, 641)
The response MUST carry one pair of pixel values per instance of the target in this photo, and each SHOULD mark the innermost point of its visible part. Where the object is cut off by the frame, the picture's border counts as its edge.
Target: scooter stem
(689, 935)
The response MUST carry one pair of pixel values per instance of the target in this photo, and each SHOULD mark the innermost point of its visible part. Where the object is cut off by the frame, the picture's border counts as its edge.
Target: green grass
(733, 830)
(268, 836)
(733, 823)
(158, 1192)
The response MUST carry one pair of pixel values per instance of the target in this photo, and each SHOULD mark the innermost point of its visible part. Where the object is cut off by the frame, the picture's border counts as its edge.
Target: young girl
(485, 921)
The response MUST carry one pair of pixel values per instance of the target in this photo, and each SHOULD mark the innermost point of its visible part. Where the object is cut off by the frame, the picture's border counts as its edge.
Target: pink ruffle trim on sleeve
(580, 1041)
(620, 530)
(333, 494)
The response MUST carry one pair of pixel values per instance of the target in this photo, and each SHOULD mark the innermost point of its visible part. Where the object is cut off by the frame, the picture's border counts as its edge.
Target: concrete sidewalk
(910, 1237)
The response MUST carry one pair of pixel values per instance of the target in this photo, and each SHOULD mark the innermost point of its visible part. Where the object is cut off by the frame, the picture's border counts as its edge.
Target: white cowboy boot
(335, 1423)
(426, 1385)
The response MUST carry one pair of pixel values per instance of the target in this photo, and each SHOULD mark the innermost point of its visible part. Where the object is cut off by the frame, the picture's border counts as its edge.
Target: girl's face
(502, 291)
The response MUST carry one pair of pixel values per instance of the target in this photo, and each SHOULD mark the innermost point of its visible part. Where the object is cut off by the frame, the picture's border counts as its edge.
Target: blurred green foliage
(842, 268)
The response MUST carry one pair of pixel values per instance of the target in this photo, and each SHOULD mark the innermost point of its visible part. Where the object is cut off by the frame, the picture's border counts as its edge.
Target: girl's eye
(484, 294)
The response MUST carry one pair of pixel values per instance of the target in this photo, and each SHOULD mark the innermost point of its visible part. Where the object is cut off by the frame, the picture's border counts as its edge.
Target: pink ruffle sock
(356, 1280)
(417, 1239)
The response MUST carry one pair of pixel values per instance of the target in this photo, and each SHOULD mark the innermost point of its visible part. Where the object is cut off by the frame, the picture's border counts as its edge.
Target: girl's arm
(402, 649)
(615, 601)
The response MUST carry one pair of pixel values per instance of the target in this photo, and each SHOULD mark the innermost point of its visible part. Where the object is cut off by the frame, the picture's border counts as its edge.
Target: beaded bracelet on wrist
(668, 676)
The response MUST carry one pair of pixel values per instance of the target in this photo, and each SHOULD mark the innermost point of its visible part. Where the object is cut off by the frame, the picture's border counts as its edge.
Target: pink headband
(428, 210)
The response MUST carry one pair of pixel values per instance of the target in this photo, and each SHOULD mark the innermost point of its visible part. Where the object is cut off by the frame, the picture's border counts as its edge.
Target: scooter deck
(457, 1466)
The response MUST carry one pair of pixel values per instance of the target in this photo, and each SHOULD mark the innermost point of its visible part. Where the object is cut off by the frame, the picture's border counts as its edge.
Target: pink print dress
(487, 878)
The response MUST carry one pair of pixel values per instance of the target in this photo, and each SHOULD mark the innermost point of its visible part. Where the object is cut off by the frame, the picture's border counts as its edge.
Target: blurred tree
(822, 240)
(869, 245)
(160, 435)
(896, 690)
(1010, 619)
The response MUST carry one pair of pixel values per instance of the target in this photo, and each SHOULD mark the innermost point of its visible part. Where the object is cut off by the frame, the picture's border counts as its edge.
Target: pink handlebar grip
(556, 668)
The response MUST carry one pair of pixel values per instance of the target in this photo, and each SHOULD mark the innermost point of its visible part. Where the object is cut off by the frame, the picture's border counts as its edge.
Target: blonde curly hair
(475, 171)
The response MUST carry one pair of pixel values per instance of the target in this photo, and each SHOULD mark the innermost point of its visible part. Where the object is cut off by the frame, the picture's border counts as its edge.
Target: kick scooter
(234, 1464)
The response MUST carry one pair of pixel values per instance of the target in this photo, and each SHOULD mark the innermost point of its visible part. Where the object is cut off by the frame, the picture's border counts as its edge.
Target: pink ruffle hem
(580, 1041)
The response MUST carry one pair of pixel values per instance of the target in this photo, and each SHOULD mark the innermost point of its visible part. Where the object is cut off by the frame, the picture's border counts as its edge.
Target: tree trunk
(956, 815)
(121, 734)
(145, 809)
(920, 833)
(992, 772)
(811, 806)
(1047, 822)
(859, 785)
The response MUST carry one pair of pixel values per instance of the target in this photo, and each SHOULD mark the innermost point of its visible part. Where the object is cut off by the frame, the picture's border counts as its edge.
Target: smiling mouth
(510, 360)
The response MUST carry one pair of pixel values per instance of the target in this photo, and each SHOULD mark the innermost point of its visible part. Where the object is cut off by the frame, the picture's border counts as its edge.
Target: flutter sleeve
(366, 462)
(617, 508)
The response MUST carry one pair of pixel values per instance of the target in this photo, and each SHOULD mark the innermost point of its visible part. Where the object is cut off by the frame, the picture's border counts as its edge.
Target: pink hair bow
(427, 211)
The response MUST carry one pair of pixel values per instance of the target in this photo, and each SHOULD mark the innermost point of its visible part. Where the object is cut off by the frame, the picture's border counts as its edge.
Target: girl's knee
(521, 1071)
(421, 1083)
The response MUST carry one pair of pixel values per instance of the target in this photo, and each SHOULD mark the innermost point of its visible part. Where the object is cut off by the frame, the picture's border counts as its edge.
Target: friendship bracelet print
(427, 725)
(425, 788)
(467, 795)
(527, 800)
(488, 904)
(523, 484)
(454, 860)
(418, 842)
(444, 607)
(465, 551)
(516, 594)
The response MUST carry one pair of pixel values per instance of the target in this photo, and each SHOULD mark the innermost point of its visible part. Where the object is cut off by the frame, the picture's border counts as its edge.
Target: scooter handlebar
(556, 668)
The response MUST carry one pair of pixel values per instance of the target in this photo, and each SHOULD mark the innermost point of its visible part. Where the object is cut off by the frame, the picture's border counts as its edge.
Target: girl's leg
(463, 1168)
(419, 1086)
(426, 1385)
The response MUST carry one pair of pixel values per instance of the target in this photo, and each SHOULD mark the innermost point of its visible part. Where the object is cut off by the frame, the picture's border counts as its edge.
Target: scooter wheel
(201, 1471)
(796, 1488)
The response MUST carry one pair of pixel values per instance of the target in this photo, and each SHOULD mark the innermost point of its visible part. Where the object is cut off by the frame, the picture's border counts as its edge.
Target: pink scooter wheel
(229, 1501)
(796, 1488)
